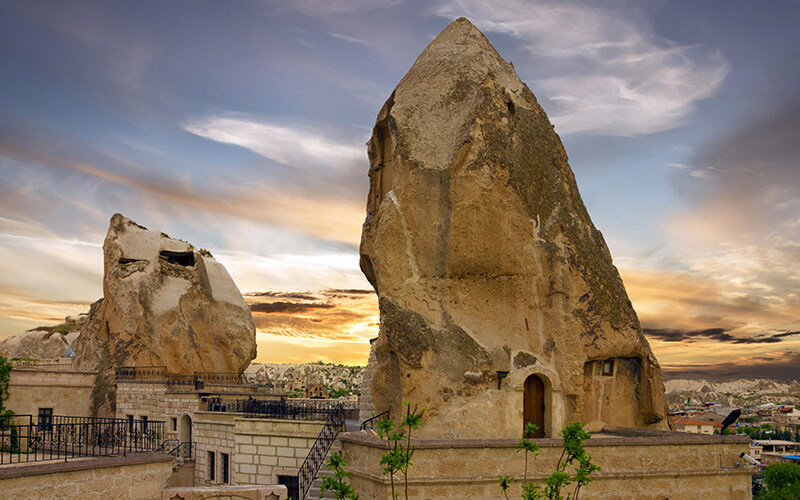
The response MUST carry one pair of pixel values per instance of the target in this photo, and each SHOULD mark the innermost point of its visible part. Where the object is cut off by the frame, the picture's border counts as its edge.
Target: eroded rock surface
(39, 343)
(164, 303)
(485, 260)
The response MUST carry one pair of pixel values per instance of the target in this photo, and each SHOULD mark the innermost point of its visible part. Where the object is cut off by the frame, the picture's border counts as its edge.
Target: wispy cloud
(296, 146)
(348, 317)
(610, 73)
(350, 39)
(784, 365)
(718, 334)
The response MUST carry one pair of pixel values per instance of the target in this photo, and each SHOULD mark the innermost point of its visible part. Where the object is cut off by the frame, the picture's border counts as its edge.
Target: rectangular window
(292, 486)
(174, 422)
(144, 423)
(45, 419)
(212, 466)
(130, 424)
(608, 367)
(225, 468)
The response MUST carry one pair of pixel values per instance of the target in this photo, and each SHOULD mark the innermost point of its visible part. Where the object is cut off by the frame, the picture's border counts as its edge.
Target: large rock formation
(164, 303)
(487, 264)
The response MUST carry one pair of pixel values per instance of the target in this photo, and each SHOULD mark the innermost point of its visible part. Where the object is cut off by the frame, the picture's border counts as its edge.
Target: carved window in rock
(179, 258)
(608, 368)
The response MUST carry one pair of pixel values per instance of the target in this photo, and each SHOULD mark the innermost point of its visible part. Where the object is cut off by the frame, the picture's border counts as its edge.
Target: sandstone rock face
(164, 303)
(487, 266)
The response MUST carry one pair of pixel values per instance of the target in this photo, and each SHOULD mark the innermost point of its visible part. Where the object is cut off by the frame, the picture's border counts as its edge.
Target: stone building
(43, 388)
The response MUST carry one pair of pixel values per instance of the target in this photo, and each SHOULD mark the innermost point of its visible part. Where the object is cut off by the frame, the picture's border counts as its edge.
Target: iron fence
(65, 437)
(282, 409)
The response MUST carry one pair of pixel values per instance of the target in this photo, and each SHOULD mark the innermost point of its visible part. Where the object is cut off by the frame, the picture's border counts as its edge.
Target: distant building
(696, 426)
(775, 450)
(316, 391)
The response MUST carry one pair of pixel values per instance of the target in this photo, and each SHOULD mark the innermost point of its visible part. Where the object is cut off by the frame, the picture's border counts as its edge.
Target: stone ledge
(40, 468)
(611, 436)
(537, 476)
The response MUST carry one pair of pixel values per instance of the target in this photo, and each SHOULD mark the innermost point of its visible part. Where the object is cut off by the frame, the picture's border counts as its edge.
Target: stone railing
(160, 374)
(42, 364)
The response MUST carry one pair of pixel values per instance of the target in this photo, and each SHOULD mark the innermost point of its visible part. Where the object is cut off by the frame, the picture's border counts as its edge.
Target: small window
(45, 419)
(608, 367)
(179, 258)
(144, 423)
(212, 466)
(225, 468)
(130, 423)
(174, 423)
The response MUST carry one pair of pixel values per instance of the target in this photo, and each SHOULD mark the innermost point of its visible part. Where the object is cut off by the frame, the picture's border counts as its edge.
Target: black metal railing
(316, 455)
(65, 437)
(183, 450)
(283, 409)
(370, 422)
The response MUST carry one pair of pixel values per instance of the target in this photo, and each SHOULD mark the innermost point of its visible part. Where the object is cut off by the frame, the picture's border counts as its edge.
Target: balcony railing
(160, 374)
(61, 437)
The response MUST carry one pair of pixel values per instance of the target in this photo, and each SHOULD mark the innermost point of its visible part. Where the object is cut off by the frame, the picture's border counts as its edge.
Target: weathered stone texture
(485, 259)
(129, 477)
(164, 303)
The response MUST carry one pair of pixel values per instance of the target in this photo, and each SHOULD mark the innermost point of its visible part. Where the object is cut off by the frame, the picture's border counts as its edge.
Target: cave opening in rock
(180, 258)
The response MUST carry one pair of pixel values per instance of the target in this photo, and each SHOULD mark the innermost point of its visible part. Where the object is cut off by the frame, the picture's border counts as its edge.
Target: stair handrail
(316, 455)
(176, 451)
(371, 420)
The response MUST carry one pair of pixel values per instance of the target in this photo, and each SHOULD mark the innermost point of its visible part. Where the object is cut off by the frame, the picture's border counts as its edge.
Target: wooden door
(533, 405)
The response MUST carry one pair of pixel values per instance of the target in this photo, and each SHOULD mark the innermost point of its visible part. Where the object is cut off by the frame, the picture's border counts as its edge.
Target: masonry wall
(136, 477)
(260, 449)
(156, 401)
(266, 449)
(66, 392)
(645, 466)
(213, 432)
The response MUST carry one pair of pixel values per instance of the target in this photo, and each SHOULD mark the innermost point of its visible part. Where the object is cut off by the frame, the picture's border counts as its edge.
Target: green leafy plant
(5, 415)
(338, 484)
(528, 446)
(573, 453)
(505, 484)
(398, 438)
(781, 481)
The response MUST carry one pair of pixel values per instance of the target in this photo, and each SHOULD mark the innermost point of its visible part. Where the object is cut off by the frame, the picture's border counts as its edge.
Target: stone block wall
(213, 432)
(634, 466)
(66, 392)
(266, 449)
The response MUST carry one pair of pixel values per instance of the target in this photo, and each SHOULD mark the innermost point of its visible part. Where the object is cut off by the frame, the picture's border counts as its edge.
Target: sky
(241, 127)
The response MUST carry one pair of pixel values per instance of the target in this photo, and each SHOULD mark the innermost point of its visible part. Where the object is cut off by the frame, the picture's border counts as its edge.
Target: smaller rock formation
(164, 303)
(43, 342)
(39, 343)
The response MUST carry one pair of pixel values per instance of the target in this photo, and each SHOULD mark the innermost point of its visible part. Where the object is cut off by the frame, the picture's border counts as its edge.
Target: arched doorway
(185, 429)
(533, 404)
